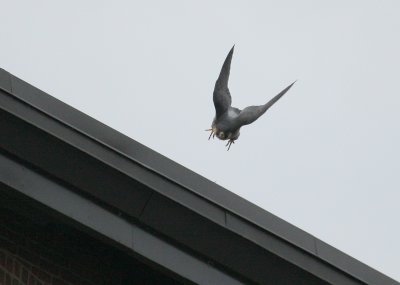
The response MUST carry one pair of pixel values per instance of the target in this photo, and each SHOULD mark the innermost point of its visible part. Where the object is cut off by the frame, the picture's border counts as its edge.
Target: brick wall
(16, 271)
(33, 254)
(39, 250)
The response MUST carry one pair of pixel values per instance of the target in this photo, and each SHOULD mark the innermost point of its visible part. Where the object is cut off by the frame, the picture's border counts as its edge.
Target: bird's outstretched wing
(249, 114)
(221, 96)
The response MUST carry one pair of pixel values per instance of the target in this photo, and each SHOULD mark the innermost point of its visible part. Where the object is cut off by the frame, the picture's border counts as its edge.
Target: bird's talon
(211, 134)
(229, 143)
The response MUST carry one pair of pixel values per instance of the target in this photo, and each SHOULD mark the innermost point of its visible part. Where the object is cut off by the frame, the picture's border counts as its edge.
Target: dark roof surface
(176, 203)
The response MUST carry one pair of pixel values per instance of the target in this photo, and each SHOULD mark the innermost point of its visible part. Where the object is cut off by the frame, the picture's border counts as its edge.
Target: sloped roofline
(150, 186)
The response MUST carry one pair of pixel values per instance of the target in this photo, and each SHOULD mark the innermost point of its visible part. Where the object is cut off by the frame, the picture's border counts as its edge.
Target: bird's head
(221, 135)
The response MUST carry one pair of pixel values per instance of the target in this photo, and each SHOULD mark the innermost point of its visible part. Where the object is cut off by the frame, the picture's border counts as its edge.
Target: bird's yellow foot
(230, 142)
(211, 134)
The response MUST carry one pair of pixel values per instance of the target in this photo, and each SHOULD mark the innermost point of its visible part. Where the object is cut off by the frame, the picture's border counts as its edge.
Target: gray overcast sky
(325, 157)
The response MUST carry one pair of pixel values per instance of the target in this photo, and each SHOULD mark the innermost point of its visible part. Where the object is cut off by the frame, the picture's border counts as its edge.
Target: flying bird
(228, 120)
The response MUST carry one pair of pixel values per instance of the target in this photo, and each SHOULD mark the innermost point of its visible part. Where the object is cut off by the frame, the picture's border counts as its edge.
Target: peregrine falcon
(228, 120)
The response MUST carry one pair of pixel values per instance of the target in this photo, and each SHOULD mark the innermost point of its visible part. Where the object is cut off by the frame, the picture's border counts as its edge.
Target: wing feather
(249, 114)
(221, 96)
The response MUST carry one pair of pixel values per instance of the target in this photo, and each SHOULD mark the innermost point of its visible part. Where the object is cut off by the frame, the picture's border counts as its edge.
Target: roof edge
(258, 219)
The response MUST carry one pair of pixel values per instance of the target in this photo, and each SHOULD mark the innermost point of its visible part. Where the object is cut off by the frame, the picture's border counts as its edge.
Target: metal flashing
(197, 216)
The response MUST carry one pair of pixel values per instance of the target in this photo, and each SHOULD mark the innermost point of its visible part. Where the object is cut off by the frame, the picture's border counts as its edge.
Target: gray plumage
(228, 120)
